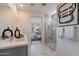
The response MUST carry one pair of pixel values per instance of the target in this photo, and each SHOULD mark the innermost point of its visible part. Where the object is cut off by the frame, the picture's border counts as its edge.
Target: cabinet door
(18, 51)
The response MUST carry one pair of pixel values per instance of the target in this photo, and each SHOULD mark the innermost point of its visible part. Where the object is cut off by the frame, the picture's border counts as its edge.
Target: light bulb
(21, 5)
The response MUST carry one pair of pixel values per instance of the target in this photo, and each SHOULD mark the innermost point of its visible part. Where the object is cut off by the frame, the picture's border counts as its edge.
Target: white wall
(7, 19)
(68, 47)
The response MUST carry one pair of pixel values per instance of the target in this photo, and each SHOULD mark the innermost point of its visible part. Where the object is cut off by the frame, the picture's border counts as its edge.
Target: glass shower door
(50, 33)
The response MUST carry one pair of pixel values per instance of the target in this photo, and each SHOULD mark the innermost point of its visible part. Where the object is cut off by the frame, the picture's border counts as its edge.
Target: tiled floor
(39, 49)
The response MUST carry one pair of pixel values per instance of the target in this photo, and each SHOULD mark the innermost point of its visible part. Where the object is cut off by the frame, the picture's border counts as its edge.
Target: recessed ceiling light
(32, 4)
(43, 4)
(21, 5)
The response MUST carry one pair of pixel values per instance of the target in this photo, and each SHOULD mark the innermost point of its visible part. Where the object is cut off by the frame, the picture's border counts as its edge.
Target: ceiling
(37, 9)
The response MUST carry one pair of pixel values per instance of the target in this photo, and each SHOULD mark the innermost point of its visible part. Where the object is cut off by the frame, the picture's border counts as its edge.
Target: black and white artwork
(67, 14)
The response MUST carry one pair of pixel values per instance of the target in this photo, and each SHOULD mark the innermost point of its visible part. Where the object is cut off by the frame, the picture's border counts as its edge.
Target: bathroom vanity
(14, 46)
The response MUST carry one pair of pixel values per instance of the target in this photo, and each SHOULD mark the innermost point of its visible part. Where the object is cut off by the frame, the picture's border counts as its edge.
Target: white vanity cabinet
(16, 47)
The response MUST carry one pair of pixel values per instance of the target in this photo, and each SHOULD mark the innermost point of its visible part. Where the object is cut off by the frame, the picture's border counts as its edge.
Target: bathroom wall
(67, 46)
(8, 19)
(68, 40)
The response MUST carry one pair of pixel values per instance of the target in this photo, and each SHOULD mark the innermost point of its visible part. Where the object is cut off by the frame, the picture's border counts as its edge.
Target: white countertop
(13, 42)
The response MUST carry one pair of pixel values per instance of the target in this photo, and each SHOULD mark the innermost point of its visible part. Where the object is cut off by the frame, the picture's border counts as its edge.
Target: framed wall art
(68, 14)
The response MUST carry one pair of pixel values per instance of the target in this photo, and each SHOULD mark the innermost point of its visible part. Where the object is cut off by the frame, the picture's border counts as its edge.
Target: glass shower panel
(50, 31)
